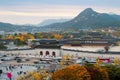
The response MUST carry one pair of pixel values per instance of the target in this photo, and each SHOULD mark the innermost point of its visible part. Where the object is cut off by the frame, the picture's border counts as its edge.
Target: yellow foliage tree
(61, 64)
(19, 78)
(72, 56)
(21, 38)
(73, 72)
(10, 37)
(34, 72)
(98, 62)
(28, 73)
(37, 76)
(58, 36)
(116, 61)
(67, 56)
(24, 37)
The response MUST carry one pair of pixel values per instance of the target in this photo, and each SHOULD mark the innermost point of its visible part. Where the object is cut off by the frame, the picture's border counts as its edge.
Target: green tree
(113, 71)
(0, 36)
(2, 47)
(19, 42)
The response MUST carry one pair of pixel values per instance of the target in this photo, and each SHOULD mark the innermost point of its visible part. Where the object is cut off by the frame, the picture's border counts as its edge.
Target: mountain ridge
(87, 19)
(51, 21)
(8, 27)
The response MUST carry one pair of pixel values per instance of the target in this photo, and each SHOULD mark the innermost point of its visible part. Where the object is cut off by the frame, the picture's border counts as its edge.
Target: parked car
(17, 58)
(36, 61)
(22, 59)
(43, 62)
(7, 58)
(79, 61)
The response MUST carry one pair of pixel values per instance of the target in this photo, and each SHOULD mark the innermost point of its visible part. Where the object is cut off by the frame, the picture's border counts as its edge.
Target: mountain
(51, 21)
(89, 19)
(7, 27)
(116, 16)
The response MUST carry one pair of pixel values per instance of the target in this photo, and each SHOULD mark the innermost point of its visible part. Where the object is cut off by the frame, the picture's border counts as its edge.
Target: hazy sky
(35, 11)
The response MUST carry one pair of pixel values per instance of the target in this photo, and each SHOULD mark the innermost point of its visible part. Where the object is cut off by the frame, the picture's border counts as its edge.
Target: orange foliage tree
(73, 72)
(58, 36)
(10, 37)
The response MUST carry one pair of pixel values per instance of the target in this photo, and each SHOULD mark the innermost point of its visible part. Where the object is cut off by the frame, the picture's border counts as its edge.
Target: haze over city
(35, 11)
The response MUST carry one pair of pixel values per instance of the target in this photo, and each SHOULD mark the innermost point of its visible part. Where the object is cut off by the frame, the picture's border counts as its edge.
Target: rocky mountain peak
(87, 11)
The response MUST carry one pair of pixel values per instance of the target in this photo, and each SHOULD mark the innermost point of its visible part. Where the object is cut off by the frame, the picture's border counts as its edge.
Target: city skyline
(35, 11)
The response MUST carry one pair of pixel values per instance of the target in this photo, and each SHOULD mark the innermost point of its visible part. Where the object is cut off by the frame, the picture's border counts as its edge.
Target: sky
(36, 11)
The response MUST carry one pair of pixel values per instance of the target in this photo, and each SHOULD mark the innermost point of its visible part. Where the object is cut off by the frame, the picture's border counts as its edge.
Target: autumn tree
(116, 61)
(21, 39)
(10, 36)
(65, 60)
(36, 76)
(73, 72)
(28, 36)
(19, 77)
(98, 62)
(24, 37)
(31, 76)
(58, 36)
(97, 72)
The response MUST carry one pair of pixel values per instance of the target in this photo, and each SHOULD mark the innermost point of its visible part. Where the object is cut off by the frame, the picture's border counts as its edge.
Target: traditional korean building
(91, 39)
(46, 43)
(88, 42)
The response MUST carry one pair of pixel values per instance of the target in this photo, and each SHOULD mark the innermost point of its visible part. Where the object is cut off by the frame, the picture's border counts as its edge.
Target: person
(6, 68)
(21, 72)
(9, 75)
(10, 68)
(18, 73)
(0, 72)
(24, 72)
(21, 66)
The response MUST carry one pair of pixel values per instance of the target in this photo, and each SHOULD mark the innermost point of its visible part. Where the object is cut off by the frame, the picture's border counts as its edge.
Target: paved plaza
(15, 71)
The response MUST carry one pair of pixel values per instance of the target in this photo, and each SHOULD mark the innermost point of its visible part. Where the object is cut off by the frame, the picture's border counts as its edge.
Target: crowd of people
(10, 72)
